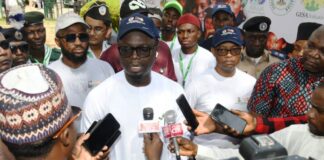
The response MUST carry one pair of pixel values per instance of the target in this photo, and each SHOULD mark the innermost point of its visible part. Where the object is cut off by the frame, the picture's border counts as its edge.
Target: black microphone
(170, 120)
(148, 113)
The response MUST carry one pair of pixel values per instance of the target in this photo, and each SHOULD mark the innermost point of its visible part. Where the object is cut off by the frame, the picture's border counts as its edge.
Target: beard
(74, 58)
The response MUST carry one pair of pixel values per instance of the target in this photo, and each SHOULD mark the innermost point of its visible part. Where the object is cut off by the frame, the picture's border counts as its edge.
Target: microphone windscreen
(170, 116)
(148, 113)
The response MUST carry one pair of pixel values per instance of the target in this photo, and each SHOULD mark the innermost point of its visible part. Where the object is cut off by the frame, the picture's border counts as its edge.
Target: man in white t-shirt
(79, 74)
(190, 60)
(126, 93)
(224, 84)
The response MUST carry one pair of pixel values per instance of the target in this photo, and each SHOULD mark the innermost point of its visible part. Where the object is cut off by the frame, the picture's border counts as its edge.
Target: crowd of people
(49, 97)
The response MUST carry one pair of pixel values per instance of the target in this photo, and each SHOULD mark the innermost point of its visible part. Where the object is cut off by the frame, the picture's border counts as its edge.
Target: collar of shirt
(264, 58)
(105, 45)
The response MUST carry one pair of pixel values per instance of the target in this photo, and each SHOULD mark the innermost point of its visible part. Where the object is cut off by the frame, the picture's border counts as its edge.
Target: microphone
(172, 130)
(148, 113)
(148, 125)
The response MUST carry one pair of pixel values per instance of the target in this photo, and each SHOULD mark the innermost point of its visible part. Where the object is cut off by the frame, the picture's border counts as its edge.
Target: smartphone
(225, 117)
(104, 132)
(187, 112)
(93, 125)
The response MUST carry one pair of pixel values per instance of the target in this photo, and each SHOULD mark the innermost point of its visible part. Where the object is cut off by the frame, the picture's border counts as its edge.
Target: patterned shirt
(283, 91)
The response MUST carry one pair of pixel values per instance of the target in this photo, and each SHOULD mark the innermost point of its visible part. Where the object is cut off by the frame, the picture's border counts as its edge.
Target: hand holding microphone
(150, 129)
(148, 125)
(172, 130)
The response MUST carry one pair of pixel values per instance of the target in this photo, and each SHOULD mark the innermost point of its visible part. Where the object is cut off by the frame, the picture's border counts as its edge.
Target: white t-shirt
(202, 61)
(126, 102)
(174, 44)
(210, 88)
(296, 139)
(78, 82)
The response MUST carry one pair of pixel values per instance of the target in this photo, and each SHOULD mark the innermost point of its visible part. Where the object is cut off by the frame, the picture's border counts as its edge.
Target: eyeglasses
(22, 48)
(70, 38)
(142, 52)
(76, 113)
(4, 44)
(232, 51)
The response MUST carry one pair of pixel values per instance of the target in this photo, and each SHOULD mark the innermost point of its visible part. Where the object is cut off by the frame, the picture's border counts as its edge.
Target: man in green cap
(171, 13)
(35, 35)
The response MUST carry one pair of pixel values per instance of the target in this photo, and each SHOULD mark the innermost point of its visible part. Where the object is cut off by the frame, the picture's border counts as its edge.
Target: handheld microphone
(172, 130)
(148, 113)
(148, 125)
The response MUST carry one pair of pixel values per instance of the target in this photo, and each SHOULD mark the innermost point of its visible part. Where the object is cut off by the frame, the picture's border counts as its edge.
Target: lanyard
(185, 73)
(172, 43)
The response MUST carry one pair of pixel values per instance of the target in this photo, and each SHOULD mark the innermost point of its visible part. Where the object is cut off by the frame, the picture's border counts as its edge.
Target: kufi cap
(306, 29)
(33, 104)
(188, 18)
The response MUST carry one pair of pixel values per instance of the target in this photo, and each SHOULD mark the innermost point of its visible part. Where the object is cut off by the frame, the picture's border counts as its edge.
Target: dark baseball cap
(222, 8)
(138, 22)
(227, 34)
(129, 7)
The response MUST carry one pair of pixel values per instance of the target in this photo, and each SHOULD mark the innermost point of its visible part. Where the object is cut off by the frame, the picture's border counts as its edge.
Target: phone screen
(187, 112)
(102, 134)
(225, 117)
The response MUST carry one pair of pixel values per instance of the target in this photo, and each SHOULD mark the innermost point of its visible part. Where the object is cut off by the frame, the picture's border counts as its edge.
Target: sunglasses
(4, 44)
(83, 37)
(22, 48)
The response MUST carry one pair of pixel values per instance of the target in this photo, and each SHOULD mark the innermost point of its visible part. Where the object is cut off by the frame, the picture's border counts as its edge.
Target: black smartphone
(225, 117)
(93, 125)
(187, 112)
(104, 132)
(113, 138)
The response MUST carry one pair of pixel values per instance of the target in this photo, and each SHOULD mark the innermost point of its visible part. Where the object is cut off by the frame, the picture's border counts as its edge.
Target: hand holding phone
(103, 132)
(223, 116)
(187, 112)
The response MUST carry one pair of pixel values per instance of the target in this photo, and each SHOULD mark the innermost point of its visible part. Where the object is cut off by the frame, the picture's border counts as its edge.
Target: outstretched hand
(206, 124)
(250, 124)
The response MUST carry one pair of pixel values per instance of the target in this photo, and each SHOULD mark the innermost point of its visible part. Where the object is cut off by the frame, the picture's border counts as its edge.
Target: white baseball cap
(68, 19)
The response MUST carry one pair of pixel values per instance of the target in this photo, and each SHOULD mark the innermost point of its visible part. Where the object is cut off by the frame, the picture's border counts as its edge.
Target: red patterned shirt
(282, 95)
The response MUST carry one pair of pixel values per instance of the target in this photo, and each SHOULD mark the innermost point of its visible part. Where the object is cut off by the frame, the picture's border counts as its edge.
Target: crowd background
(284, 14)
